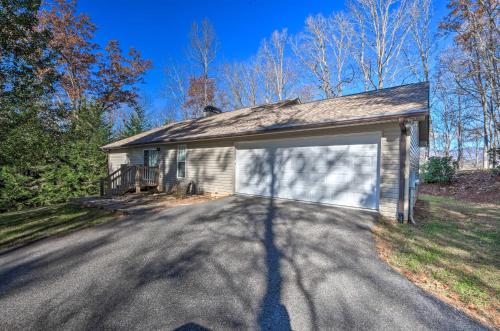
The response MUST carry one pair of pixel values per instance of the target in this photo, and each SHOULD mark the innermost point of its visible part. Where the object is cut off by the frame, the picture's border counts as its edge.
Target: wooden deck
(129, 178)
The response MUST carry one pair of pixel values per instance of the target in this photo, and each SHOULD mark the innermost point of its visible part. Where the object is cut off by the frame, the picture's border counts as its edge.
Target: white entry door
(341, 170)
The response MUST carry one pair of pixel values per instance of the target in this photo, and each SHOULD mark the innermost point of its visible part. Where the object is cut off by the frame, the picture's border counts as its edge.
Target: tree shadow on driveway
(273, 314)
(233, 263)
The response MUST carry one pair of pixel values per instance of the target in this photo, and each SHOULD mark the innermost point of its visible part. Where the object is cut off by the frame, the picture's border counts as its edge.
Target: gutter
(403, 156)
(415, 114)
(402, 166)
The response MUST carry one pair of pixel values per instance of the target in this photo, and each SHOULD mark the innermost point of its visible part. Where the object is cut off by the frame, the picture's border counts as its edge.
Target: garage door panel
(260, 188)
(338, 170)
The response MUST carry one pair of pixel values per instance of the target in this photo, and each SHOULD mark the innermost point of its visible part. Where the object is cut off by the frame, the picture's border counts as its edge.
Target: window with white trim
(181, 161)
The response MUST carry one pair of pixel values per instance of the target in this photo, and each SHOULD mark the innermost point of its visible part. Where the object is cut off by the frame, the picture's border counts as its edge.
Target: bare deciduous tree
(323, 48)
(175, 91)
(474, 25)
(235, 83)
(252, 75)
(360, 49)
(203, 49)
(455, 110)
(420, 15)
(381, 32)
(445, 128)
(244, 81)
(277, 72)
(312, 48)
(203, 45)
(341, 40)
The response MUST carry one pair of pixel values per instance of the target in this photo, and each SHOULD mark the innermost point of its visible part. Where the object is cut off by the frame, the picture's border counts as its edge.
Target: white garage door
(340, 170)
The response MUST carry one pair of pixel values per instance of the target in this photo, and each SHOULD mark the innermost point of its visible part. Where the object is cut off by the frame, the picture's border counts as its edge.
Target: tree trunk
(476, 165)
(459, 135)
(485, 144)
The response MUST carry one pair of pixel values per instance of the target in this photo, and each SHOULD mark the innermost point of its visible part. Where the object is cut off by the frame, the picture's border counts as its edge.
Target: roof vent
(211, 110)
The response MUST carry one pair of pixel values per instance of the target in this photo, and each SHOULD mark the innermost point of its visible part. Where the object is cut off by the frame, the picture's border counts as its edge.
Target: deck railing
(127, 178)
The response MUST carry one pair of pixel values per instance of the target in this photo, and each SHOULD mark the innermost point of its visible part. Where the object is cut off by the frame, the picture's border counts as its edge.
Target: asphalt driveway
(233, 263)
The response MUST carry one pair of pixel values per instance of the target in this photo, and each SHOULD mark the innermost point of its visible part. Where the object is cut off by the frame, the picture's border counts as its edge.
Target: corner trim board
(402, 167)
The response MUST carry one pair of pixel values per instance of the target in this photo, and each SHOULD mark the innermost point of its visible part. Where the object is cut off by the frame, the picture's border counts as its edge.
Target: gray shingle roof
(362, 107)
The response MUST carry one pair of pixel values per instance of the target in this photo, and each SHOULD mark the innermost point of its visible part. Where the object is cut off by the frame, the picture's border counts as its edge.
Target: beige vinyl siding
(168, 170)
(211, 166)
(115, 160)
(131, 156)
(389, 171)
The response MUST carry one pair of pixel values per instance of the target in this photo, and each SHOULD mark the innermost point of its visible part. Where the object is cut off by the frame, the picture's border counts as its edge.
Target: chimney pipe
(211, 110)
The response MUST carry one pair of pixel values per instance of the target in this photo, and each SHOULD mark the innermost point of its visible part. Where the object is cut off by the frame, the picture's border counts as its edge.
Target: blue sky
(159, 29)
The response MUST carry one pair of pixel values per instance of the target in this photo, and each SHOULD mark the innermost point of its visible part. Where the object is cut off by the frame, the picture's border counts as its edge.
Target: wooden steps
(129, 178)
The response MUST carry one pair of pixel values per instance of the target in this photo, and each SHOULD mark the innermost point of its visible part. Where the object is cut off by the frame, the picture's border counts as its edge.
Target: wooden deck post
(101, 187)
(137, 179)
(157, 177)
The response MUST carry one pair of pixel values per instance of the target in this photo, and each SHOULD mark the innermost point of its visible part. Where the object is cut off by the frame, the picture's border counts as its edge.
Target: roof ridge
(279, 103)
(364, 92)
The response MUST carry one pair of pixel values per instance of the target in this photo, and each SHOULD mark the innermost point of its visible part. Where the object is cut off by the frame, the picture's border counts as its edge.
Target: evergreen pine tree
(136, 123)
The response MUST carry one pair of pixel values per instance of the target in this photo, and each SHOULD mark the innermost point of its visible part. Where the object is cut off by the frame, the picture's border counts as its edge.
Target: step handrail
(127, 177)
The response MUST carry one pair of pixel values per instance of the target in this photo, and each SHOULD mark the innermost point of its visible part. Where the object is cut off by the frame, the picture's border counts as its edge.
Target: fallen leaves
(475, 186)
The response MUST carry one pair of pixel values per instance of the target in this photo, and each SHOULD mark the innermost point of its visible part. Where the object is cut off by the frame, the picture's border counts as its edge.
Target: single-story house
(359, 150)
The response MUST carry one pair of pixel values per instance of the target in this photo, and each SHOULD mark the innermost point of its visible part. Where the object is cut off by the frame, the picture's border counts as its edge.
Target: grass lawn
(452, 252)
(28, 225)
